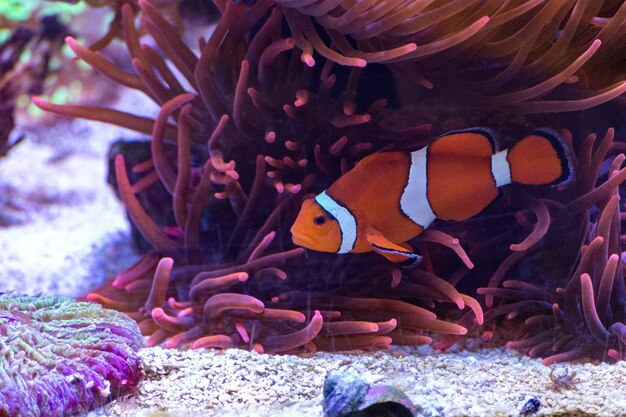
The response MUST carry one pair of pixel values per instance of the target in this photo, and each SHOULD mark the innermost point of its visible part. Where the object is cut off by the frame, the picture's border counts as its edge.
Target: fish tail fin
(542, 158)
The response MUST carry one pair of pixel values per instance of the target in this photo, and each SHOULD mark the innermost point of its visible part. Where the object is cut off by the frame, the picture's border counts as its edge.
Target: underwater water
(312, 208)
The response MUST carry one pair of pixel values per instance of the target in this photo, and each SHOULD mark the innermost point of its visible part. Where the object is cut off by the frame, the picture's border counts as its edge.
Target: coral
(59, 356)
(532, 56)
(31, 57)
(263, 132)
(28, 13)
(17, 77)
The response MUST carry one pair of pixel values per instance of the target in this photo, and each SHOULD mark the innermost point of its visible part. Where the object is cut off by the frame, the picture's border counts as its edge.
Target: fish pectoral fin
(400, 254)
(407, 246)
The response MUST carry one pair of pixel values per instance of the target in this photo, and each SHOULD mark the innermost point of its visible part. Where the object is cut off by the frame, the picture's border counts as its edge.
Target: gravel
(484, 382)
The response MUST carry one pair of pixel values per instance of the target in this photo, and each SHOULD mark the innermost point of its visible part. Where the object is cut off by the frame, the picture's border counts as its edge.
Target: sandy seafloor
(70, 234)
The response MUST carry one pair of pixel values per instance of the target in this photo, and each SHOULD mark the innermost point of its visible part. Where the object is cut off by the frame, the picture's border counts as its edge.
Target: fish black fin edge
(484, 131)
(412, 261)
(409, 258)
(563, 152)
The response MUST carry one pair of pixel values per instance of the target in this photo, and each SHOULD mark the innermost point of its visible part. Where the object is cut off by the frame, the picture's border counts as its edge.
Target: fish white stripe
(347, 222)
(500, 168)
(414, 201)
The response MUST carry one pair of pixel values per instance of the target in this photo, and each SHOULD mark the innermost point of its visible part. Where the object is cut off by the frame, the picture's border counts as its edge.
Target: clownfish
(389, 198)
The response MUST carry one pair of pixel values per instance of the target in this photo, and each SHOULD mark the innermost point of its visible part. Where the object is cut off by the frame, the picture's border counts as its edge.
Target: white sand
(74, 235)
(71, 232)
(491, 382)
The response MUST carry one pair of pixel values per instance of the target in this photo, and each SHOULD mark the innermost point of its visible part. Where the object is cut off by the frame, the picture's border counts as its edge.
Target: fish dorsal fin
(476, 141)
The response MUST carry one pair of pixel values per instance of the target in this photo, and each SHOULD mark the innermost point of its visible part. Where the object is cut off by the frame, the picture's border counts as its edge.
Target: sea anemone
(262, 129)
(231, 276)
(59, 356)
(528, 57)
(584, 316)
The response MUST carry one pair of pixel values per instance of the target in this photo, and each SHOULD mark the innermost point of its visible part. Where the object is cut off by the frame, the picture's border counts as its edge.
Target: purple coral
(59, 356)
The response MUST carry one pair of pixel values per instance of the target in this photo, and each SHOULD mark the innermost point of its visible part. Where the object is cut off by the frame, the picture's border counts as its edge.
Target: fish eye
(319, 220)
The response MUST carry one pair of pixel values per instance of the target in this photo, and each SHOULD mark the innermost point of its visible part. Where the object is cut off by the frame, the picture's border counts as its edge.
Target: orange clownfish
(391, 197)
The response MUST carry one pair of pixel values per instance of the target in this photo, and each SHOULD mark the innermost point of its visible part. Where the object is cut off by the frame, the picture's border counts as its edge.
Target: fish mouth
(301, 240)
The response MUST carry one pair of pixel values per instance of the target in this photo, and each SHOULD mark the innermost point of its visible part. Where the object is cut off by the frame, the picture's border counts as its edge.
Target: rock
(348, 395)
